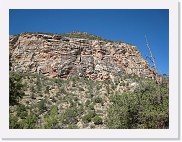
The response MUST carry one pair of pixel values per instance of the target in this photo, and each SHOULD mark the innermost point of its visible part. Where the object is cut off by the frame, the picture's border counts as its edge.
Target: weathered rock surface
(64, 57)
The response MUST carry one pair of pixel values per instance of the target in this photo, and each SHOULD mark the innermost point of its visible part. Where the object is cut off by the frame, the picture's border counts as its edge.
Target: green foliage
(92, 126)
(75, 99)
(140, 109)
(13, 122)
(15, 88)
(21, 111)
(84, 35)
(63, 91)
(98, 100)
(80, 111)
(38, 83)
(72, 126)
(97, 120)
(91, 107)
(146, 107)
(29, 122)
(47, 90)
(51, 119)
(88, 117)
(87, 103)
(69, 116)
(42, 106)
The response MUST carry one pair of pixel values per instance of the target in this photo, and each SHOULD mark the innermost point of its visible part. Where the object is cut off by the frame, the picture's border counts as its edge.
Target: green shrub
(63, 91)
(88, 117)
(92, 126)
(98, 100)
(42, 106)
(80, 89)
(21, 111)
(81, 110)
(69, 116)
(15, 88)
(51, 119)
(97, 120)
(87, 103)
(29, 122)
(46, 90)
(140, 109)
(75, 99)
(13, 122)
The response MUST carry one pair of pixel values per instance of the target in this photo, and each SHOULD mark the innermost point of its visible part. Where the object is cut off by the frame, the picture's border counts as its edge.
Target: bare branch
(151, 57)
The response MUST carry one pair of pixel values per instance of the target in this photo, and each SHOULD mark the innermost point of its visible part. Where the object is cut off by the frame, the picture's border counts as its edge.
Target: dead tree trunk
(152, 60)
(155, 69)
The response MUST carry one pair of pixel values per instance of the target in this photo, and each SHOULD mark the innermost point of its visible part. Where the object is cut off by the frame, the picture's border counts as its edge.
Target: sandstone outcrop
(60, 56)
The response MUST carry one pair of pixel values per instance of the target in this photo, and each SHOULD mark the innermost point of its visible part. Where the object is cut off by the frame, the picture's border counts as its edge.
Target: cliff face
(61, 56)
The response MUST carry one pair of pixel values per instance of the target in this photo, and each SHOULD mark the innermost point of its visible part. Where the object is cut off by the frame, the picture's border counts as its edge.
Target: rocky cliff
(69, 55)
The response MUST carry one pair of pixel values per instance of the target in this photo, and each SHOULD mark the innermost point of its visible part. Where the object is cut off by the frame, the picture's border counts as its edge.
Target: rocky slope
(68, 55)
(79, 95)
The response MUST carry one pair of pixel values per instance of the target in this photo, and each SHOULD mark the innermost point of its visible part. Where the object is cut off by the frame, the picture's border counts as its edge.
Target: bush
(69, 116)
(98, 100)
(80, 111)
(46, 90)
(87, 103)
(140, 109)
(88, 117)
(15, 88)
(92, 126)
(29, 122)
(51, 119)
(21, 111)
(91, 107)
(97, 120)
(13, 122)
(81, 89)
(42, 106)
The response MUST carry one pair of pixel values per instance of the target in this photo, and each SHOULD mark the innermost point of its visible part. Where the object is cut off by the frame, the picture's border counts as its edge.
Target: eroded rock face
(59, 56)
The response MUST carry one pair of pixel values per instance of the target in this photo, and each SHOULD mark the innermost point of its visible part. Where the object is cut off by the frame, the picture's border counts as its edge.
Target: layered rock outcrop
(59, 56)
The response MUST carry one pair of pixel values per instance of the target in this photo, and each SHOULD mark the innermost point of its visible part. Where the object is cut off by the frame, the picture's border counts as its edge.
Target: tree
(88, 117)
(152, 59)
(13, 122)
(69, 116)
(139, 109)
(21, 111)
(15, 88)
(51, 119)
(97, 120)
(42, 106)
(29, 122)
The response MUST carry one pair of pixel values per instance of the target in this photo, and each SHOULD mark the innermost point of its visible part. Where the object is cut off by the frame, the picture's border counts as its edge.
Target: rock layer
(60, 56)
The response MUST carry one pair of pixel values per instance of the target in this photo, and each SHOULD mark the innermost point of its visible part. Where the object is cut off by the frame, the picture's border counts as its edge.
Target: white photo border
(171, 133)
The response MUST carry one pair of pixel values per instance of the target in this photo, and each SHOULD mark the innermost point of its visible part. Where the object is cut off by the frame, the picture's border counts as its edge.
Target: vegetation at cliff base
(140, 109)
(99, 105)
